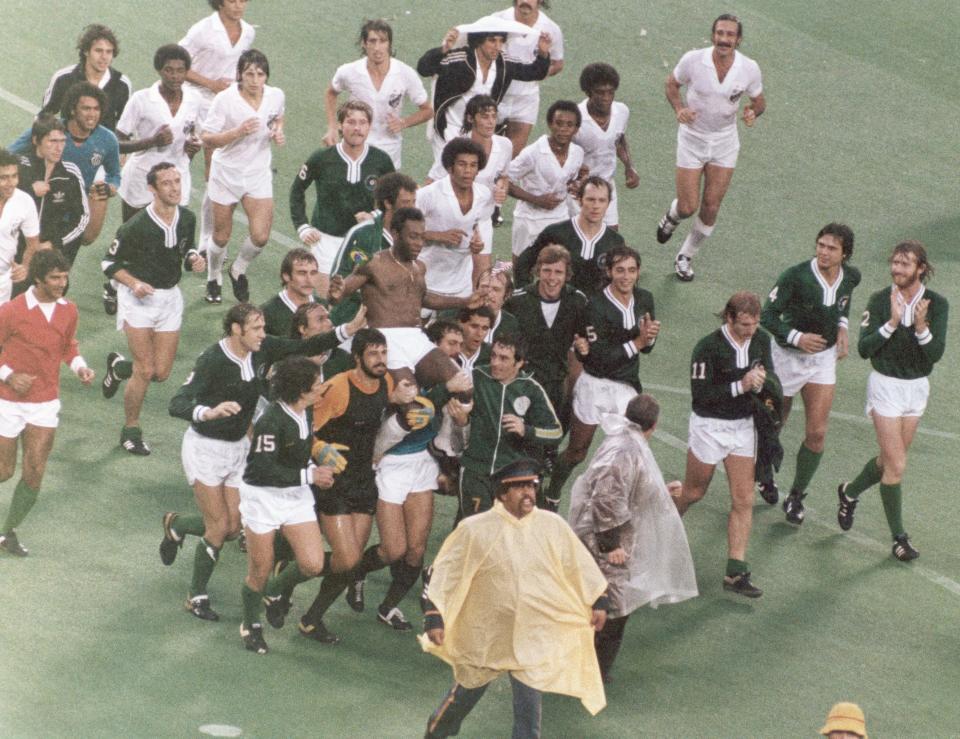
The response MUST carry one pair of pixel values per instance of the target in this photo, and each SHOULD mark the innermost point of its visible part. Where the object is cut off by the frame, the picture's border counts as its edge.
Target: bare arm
(672, 90)
(211, 84)
(330, 105)
(424, 113)
(128, 144)
(623, 154)
(341, 289)
(556, 66)
(754, 110)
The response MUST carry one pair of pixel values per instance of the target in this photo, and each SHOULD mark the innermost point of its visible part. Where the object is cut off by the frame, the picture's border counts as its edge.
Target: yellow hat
(845, 717)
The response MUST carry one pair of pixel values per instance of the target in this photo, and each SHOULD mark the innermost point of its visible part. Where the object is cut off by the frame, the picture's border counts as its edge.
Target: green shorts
(476, 492)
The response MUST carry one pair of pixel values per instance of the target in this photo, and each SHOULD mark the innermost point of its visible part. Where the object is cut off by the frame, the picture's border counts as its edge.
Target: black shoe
(551, 504)
(393, 618)
(171, 543)
(769, 492)
(683, 266)
(109, 299)
(741, 585)
(213, 292)
(497, 217)
(111, 383)
(846, 508)
(131, 439)
(253, 638)
(793, 507)
(354, 596)
(277, 608)
(199, 606)
(11, 545)
(318, 632)
(241, 287)
(666, 227)
(903, 549)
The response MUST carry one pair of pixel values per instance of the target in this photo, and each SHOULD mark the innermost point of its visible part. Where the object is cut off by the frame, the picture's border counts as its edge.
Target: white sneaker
(683, 266)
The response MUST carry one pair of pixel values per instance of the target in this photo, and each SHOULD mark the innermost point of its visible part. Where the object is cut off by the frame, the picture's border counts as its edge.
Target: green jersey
(152, 250)
(344, 187)
(802, 302)
(359, 245)
(280, 449)
(490, 447)
(718, 365)
(903, 353)
(611, 328)
(278, 314)
(588, 254)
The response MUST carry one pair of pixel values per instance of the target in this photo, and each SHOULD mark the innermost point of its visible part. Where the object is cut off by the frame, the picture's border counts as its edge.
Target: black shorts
(476, 493)
(348, 495)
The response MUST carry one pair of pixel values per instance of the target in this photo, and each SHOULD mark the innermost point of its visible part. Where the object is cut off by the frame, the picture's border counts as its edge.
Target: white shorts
(406, 346)
(796, 368)
(267, 509)
(213, 462)
(594, 396)
(135, 192)
(712, 440)
(611, 217)
(892, 397)
(398, 475)
(228, 188)
(695, 151)
(523, 108)
(14, 417)
(162, 311)
(6, 288)
(325, 251)
(526, 230)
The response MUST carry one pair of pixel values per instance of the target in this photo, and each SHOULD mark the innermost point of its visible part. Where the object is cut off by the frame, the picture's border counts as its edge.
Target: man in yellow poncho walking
(513, 590)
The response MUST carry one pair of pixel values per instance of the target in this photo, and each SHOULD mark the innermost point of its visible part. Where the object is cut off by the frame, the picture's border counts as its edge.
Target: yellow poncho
(516, 596)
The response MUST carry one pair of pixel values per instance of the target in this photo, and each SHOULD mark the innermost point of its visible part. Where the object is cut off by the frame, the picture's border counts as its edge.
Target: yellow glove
(328, 455)
(416, 418)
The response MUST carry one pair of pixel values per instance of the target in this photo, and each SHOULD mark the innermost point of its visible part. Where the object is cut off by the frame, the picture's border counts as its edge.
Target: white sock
(673, 211)
(248, 252)
(215, 258)
(699, 232)
(206, 222)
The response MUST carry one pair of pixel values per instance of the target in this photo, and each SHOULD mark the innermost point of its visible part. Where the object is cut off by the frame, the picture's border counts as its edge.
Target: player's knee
(144, 370)
(161, 374)
(893, 469)
(391, 552)
(414, 555)
(312, 565)
(7, 470)
(216, 532)
(693, 493)
(815, 440)
(686, 207)
(260, 237)
(709, 210)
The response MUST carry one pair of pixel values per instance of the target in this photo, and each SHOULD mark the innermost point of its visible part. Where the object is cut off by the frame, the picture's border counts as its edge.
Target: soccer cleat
(683, 266)
(551, 504)
(666, 227)
(242, 541)
(213, 292)
(846, 508)
(199, 606)
(793, 507)
(741, 585)
(393, 618)
(253, 638)
(171, 543)
(318, 632)
(277, 608)
(131, 439)
(497, 217)
(111, 383)
(354, 596)
(769, 492)
(903, 549)
(241, 287)
(109, 299)
(11, 545)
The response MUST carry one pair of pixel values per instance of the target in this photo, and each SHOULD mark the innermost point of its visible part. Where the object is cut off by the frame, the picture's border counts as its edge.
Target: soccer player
(98, 47)
(603, 133)
(447, 335)
(586, 236)
(728, 367)
(344, 176)
(475, 324)
(620, 326)
(496, 285)
(454, 207)
(275, 492)
(520, 106)
(243, 121)
(381, 82)
(545, 174)
(159, 124)
(313, 319)
(145, 259)
(37, 331)
(716, 79)
(18, 216)
(903, 333)
(807, 314)
(298, 272)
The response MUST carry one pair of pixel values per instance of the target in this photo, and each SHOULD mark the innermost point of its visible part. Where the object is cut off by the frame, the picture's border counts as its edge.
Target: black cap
(522, 470)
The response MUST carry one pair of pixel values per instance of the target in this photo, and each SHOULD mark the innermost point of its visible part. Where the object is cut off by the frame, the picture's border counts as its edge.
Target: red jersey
(30, 343)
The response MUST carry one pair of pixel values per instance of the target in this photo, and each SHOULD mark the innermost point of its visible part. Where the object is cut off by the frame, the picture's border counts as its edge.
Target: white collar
(32, 301)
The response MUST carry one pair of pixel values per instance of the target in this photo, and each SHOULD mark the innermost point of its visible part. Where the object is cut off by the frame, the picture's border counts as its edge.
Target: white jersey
(248, 154)
(401, 81)
(600, 145)
(211, 53)
(524, 48)
(716, 103)
(450, 268)
(501, 151)
(19, 216)
(147, 111)
(537, 171)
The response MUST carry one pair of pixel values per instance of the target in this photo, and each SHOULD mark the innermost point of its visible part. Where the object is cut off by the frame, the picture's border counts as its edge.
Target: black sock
(404, 578)
(330, 588)
(369, 562)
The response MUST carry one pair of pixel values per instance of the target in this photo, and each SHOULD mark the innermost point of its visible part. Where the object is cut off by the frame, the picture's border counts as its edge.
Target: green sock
(286, 581)
(807, 463)
(184, 525)
(892, 497)
(123, 369)
(23, 499)
(736, 567)
(252, 605)
(869, 476)
(204, 560)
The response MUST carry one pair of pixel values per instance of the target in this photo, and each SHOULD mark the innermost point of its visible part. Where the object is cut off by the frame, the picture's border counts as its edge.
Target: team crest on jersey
(59, 197)
(357, 257)
(370, 182)
(395, 100)
(737, 94)
(189, 127)
(97, 159)
(843, 302)
(521, 405)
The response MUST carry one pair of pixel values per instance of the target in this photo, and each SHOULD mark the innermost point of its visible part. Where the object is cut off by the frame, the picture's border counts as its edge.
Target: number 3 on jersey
(265, 443)
(699, 371)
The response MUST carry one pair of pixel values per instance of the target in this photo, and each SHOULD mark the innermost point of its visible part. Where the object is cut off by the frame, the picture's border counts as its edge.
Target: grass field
(861, 99)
